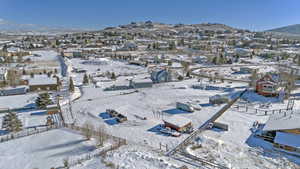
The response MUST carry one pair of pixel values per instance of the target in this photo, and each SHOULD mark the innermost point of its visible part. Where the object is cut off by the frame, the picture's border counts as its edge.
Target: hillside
(291, 29)
(9, 27)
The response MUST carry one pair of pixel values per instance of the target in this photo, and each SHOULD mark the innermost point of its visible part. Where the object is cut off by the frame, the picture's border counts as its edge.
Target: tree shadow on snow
(31, 105)
(62, 145)
(217, 130)
(77, 150)
(156, 129)
(111, 122)
(104, 115)
(205, 104)
(3, 132)
(39, 113)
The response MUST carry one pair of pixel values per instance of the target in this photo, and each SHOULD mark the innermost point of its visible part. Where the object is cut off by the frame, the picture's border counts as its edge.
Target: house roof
(267, 78)
(283, 121)
(178, 121)
(41, 80)
(288, 139)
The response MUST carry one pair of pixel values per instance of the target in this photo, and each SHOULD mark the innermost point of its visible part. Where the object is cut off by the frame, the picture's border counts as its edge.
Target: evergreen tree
(113, 76)
(85, 79)
(172, 45)
(43, 100)
(11, 122)
(71, 85)
(215, 60)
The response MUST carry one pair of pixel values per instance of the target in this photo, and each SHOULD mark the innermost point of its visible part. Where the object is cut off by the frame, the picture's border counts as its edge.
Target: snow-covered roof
(288, 139)
(179, 121)
(283, 121)
(42, 80)
(147, 80)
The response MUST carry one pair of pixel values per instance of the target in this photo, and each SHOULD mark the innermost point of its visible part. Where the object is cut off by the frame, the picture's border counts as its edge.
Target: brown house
(42, 83)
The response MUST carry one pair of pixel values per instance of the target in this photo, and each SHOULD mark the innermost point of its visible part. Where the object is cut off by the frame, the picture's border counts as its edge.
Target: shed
(141, 83)
(52, 109)
(178, 123)
(218, 99)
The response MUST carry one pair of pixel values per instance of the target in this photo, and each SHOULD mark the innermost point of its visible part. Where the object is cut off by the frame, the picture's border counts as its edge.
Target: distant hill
(8, 27)
(291, 29)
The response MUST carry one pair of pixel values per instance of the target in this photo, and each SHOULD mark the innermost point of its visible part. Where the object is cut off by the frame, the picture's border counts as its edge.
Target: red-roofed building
(267, 86)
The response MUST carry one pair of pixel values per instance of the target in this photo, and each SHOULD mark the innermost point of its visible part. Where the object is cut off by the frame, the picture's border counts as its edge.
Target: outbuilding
(178, 123)
(141, 83)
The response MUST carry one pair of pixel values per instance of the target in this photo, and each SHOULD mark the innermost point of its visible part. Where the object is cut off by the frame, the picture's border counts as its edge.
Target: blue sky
(247, 14)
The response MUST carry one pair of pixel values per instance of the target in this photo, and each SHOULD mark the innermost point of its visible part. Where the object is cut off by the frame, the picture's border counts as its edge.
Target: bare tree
(186, 67)
(101, 136)
(253, 78)
(87, 130)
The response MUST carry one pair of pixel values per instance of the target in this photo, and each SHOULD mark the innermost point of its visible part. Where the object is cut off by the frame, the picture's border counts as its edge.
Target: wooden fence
(117, 142)
(258, 111)
(73, 161)
(27, 132)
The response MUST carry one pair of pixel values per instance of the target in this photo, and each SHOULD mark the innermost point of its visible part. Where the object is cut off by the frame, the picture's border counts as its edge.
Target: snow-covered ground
(43, 56)
(17, 101)
(162, 97)
(233, 146)
(132, 157)
(44, 150)
(236, 148)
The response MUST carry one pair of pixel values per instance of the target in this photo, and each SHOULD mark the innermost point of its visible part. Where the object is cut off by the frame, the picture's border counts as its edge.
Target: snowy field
(17, 101)
(145, 109)
(107, 65)
(132, 157)
(44, 150)
(162, 97)
(43, 56)
(237, 148)
(46, 59)
(30, 119)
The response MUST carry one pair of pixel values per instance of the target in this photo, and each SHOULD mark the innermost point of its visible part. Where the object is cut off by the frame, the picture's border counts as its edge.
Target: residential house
(42, 83)
(284, 129)
(267, 86)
